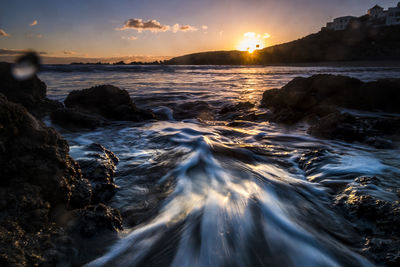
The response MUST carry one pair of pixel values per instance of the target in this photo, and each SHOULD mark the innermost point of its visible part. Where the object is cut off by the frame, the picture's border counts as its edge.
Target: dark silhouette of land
(359, 42)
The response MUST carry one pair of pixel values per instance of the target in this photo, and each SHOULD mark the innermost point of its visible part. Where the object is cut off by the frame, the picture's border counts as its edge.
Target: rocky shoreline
(53, 208)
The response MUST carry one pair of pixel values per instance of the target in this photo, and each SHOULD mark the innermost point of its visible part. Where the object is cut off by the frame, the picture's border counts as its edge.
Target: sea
(209, 192)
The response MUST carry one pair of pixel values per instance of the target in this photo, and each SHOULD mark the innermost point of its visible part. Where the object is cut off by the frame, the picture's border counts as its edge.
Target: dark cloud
(183, 28)
(11, 52)
(140, 25)
(3, 33)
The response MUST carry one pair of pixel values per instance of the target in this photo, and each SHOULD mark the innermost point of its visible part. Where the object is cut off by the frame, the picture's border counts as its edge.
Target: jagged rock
(95, 219)
(376, 218)
(37, 177)
(31, 93)
(98, 165)
(108, 101)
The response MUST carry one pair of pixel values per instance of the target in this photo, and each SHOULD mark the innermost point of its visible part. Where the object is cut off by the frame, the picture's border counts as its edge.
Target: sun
(252, 41)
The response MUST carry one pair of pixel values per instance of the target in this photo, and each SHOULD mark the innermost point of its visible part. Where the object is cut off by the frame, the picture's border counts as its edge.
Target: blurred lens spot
(26, 66)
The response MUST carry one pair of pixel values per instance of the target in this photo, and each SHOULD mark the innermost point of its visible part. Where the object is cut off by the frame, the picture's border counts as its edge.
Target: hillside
(357, 43)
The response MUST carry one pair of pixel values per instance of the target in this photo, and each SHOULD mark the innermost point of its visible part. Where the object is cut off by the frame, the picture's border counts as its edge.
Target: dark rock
(31, 152)
(73, 119)
(31, 92)
(194, 110)
(96, 219)
(99, 166)
(350, 128)
(303, 97)
(377, 219)
(37, 177)
(108, 101)
(317, 100)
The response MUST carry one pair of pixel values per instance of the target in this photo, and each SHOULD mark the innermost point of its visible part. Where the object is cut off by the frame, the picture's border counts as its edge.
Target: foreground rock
(375, 216)
(318, 100)
(99, 164)
(31, 92)
(108, 101)
(40, 184)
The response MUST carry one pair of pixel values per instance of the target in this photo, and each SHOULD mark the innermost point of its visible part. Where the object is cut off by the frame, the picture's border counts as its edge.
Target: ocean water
(209, 193)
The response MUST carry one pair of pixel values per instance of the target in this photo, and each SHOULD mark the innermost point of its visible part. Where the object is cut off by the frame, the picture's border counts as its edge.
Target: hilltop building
(376, 13)
(393, 16)
(340, 23)
(376, 16)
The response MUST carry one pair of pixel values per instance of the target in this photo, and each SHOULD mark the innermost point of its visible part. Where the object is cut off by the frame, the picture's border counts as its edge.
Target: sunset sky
(152, 29)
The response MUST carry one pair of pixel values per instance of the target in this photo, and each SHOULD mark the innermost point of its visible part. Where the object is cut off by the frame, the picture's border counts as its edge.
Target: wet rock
(108, 101)
(99, 165)
(95, 219)
(37, 177)
(194, 110)
(31, 92)
(317, 100)
(73, 119)
(376, 215)
(307, 94)
(347, 127)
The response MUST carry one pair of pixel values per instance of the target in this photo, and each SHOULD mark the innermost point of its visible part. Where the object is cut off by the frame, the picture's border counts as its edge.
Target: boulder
(98, 166)
(351, 128)
(31, 92)
(73, 119)
(319, 94)
(108, 101)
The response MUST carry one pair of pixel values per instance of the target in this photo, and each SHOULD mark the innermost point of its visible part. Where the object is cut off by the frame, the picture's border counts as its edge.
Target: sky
(158, 29)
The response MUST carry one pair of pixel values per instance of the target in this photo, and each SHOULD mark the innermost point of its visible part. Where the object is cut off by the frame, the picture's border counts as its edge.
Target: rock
(31, 93)
(31, 152)
(96, 219)
(315, 95)
(37, 177)
(317, 100)
(108, 101)
(194, 110)
(350, 128)
(73, 119)
(376, 218)
(98, 165)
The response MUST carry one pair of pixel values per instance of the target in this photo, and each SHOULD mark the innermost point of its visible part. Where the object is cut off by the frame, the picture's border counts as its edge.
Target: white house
(377, 13)
(393, 17)
(340, 23)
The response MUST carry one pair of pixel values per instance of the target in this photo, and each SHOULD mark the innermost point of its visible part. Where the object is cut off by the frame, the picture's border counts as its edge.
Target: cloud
(35, 22)
(204, 27)
(3, 33)
(10, 52)
(68, 52)
(183, 28)
(130, 38)
(31, 35)
(154, 26)
(140, 25)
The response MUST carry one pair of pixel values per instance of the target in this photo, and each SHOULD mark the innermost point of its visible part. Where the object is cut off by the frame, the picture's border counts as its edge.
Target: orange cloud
(35, 22)
(3, 33)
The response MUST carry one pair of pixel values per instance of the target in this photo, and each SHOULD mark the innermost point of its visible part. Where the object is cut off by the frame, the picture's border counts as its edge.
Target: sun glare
(252, 41)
